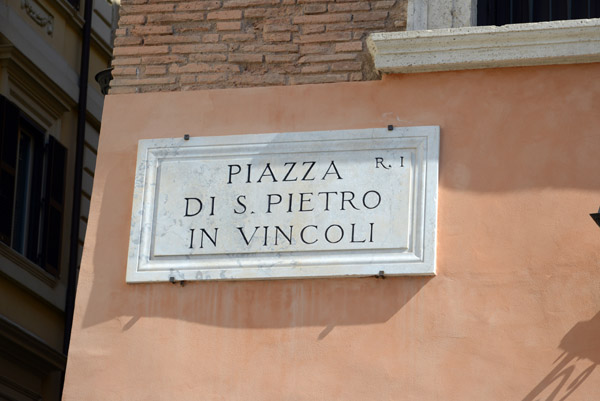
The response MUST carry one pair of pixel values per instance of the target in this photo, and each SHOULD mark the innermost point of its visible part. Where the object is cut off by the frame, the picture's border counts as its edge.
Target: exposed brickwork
(166, 45)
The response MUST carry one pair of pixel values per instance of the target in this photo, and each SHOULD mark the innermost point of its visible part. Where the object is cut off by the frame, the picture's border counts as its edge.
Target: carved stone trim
(27, 346)
(557, 42)
(37, 13)
(27, 265)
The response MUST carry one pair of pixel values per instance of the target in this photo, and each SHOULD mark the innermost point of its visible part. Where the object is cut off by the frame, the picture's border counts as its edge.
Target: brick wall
(166, 45)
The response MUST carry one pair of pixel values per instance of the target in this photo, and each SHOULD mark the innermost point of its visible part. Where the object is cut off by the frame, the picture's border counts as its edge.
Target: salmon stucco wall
(513, 313)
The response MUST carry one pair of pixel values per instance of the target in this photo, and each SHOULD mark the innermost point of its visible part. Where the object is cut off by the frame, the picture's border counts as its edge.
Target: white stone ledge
(557, 42)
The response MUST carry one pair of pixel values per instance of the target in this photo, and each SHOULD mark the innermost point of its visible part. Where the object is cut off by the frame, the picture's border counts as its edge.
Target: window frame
(42, 220)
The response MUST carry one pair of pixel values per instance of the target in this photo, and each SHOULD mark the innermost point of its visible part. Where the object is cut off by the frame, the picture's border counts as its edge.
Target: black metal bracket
(596, 217)
(173, 281)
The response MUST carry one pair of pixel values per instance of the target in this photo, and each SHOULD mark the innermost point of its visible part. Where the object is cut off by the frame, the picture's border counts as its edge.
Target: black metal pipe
(76, 209)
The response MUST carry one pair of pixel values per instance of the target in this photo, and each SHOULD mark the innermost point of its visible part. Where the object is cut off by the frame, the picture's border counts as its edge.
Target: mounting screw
(381, 274)
(172, 279)
(186, 137)
(390, 127)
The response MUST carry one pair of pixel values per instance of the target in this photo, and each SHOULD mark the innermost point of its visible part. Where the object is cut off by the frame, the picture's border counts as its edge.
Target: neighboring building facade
(513, 312)
(169, 46)
(40, 55)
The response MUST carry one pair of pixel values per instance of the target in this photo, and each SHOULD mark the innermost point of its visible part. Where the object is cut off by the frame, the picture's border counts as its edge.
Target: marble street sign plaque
(266, 206)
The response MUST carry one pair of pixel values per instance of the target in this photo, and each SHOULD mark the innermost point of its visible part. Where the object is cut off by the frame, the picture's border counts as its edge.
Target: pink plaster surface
(513, 313)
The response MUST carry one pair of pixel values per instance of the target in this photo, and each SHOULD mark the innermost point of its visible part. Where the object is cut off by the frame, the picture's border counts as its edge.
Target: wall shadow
(538, 141)
(581, 355)
(519, 146)
(323, 303)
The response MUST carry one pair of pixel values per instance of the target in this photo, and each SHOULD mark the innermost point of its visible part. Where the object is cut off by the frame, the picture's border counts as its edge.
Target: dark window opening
(32, 185)
(502, 12)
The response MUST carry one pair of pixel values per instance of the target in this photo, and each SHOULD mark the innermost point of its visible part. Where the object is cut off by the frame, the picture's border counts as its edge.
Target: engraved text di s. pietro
(194, 208)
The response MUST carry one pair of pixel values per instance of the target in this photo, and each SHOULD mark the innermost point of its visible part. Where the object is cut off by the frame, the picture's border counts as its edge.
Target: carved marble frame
(418, 260)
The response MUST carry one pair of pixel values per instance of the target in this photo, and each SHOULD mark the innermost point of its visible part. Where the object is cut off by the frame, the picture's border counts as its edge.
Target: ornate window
(32, 186)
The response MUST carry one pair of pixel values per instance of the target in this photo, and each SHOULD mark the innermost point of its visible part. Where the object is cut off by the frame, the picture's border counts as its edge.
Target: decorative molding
(37, 13)
(28, 347)
(75, 20)
(17, 390)
(51, 63)
(27, 265)
(557, 42)
(48, 99)
(67, 9)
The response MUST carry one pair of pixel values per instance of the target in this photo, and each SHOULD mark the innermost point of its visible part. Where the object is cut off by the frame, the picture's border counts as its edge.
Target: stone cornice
(557, 42)
(29, 348)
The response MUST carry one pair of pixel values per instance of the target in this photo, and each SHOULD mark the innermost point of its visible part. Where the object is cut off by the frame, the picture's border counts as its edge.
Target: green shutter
(9, 133)
(54, 205)
(35, 196)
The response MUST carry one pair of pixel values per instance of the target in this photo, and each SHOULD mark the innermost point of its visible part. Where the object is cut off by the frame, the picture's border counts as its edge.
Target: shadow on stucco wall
(323, 303)
(581, 345)
(515, 241)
